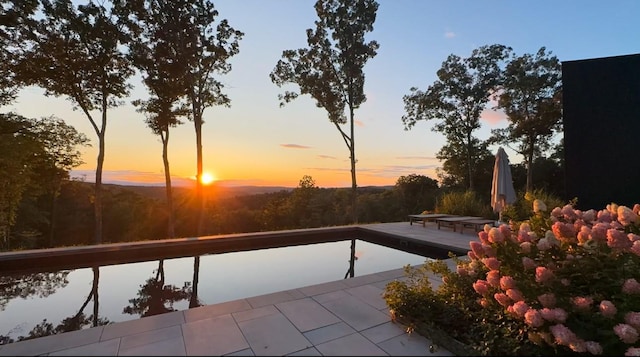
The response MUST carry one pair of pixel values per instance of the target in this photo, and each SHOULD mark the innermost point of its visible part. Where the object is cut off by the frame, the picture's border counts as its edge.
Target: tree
(14, 15)
(18, 149)
(330, 69)
(457, 98)
(37, 157)
(205, 51)
(76, 52)
(304, 212)
(454, 170)
(61, 143)
(416, 193)
(531, 96)
(156, 51)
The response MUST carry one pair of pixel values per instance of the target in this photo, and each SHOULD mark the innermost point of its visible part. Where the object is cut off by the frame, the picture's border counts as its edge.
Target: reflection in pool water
(33, 305)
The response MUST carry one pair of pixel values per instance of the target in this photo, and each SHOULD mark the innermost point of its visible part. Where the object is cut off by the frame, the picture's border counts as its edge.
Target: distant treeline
(139, 213)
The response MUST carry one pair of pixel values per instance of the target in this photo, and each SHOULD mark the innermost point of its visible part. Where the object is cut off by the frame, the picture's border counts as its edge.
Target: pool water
(46, 303)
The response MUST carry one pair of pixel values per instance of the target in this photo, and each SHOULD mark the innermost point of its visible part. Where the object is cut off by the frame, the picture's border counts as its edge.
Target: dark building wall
(601, 114)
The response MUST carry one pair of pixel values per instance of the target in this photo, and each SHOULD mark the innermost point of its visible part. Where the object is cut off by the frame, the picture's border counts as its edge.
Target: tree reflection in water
(154, 297)
(43, 285)
(194, 302)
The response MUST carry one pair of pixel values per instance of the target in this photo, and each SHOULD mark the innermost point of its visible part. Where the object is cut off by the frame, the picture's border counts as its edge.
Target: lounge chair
(452, 221)
(426, 217)
(476, 224)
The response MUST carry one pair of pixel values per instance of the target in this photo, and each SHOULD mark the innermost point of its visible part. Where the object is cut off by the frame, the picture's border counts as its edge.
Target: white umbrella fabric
(502, 191)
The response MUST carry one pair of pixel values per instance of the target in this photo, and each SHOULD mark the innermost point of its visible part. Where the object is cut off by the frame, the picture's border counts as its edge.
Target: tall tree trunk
(97, 204)
(530, 150)
(96, 279)
(52, 218)
(469, 162)
(193, 301)
(354, 185)
(199, 191)
(167, 179)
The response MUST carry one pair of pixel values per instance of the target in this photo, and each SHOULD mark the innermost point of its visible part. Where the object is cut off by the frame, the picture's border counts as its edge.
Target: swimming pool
(43, 303)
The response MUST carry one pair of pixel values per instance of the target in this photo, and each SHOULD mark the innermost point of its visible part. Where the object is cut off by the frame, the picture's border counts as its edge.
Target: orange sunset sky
(255, 142)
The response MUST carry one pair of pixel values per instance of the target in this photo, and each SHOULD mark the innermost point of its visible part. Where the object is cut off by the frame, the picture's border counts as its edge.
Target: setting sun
(207, 178)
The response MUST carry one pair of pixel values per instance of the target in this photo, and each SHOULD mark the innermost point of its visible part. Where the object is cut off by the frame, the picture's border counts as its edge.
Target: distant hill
(158, 192)
(218, 191)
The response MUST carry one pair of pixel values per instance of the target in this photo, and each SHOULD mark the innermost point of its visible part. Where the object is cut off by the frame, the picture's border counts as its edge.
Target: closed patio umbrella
(502, 191)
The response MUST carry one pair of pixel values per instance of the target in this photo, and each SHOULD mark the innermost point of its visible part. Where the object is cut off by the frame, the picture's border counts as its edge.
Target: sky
(257, 142)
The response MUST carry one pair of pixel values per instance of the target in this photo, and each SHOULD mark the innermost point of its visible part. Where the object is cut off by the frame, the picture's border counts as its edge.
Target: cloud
(131, 177)
(295, 146)
(416, 158)
(358, 123)
(327, 157)
(492, 117)
(449, 34)
(329, 169)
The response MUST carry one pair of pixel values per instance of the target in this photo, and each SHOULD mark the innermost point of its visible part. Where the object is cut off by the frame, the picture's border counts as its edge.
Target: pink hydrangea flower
(525, 247)
(626, 216)
(493, 278)
(564, 232)
(484, 237)
(578, 345)
(560, 315)
(556, 212)
(578, 224)
(515, 294)
(528, 263)
(604, 216)
(616, 225)
(618, 239)
(599, 232)
(626, 333)
(524, 236)
(632, 318)
(533, 318)
(589, 215)
(547, 314)
(583, 234)
(489, 251)
(593, 347)
(582, 302)
(547, 300)
(481, 287)
(520, 308)
(635, 248)
(631, 286)
(543, 244)
(607, 309)
(543, 275)
(506, 231)
(562, 334)
(569, 213)
(492, 263)
(495, 235)
(476, 248)
(502, 299)
(632, 351)
(507, 282)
